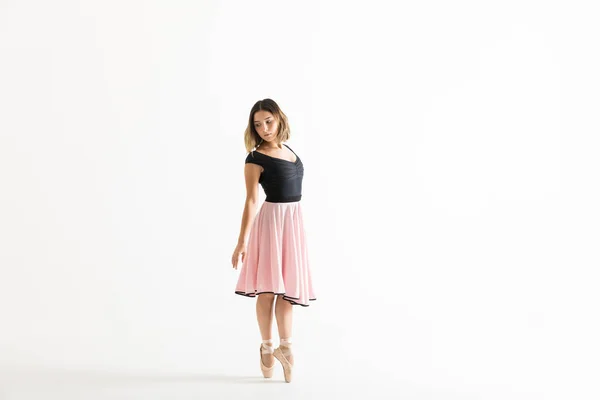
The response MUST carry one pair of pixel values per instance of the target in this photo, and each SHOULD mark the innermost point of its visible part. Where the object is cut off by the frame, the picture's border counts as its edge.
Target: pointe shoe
(282, 356)
(266, 371)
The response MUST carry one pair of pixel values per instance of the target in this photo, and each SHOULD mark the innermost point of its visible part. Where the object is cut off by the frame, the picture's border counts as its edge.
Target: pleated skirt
(277, 259)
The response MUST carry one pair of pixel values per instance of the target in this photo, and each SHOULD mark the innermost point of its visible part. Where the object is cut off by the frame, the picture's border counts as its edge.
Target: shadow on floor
(61, 376)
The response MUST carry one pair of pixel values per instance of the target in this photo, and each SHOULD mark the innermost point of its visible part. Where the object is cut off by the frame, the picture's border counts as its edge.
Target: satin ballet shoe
(265, 348)
(282, 354)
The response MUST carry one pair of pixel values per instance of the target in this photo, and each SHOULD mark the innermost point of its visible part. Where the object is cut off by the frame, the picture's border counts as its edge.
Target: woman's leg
(264, 315)
(283, 314)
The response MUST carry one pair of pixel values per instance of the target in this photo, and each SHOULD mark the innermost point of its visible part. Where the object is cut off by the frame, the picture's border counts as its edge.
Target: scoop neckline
(281, 159)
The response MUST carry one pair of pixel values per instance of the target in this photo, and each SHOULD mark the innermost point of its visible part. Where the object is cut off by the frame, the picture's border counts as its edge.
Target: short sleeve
(251, 158)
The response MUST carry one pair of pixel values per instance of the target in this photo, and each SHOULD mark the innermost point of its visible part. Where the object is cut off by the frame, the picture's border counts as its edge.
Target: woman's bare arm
(251, 174)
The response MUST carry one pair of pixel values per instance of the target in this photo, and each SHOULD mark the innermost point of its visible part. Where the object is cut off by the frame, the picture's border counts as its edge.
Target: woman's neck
(272, 147)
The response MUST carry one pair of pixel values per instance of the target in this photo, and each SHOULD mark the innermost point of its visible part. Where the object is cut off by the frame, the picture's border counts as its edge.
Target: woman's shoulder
(288, 146)
(254, 157)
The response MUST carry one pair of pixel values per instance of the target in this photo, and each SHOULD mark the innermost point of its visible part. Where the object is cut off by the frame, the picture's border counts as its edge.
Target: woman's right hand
(240, 249)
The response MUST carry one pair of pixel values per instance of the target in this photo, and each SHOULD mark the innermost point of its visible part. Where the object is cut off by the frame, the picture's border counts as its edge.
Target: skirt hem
(288, 298)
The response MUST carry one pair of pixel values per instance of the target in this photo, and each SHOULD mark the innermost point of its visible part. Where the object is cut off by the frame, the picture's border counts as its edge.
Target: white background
(451, 197)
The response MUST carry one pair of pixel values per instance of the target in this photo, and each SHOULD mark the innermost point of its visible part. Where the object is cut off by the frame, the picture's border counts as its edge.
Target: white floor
(399, 361)
(320, 382)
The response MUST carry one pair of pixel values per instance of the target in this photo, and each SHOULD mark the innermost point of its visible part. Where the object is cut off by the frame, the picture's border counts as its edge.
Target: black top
(281, 179)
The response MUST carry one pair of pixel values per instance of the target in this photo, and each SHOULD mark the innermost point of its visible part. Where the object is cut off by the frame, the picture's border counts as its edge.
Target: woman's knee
(266, 297)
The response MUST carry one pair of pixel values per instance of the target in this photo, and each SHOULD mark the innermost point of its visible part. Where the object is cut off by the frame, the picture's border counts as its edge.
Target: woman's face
(266, 125)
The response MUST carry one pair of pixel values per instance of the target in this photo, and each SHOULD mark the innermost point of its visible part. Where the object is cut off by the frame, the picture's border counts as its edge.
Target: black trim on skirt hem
(288, 298)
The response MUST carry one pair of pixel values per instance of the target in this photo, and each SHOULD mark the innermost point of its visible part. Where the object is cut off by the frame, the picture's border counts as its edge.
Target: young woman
(272, 243)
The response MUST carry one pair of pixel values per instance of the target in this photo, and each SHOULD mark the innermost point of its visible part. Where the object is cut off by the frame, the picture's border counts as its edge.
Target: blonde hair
(251, 138)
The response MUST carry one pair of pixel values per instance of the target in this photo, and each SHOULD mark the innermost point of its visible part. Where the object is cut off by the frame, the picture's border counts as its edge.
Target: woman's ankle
(285, 344)
(267, 346)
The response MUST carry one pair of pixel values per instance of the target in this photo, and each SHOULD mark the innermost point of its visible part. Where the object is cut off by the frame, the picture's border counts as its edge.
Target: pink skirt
(277, 256)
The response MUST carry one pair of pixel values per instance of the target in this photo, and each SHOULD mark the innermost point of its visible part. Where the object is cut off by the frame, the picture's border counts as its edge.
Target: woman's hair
(252, 138)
